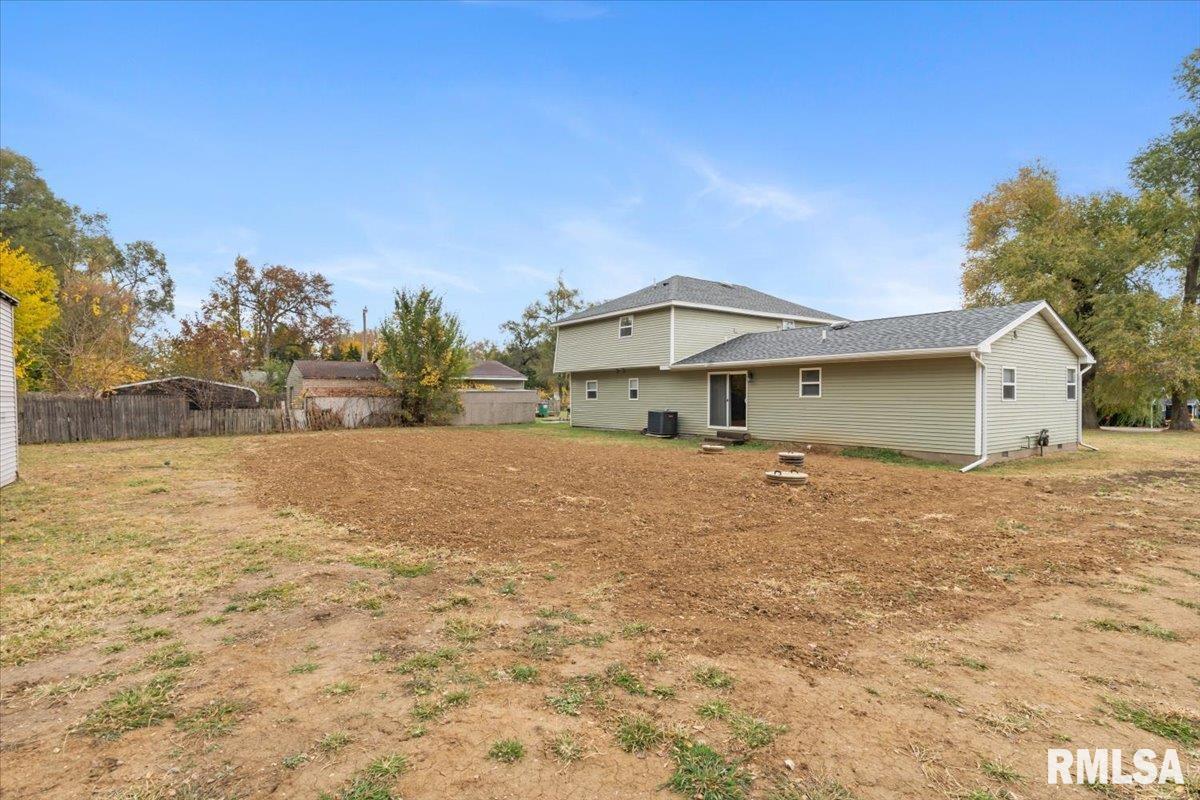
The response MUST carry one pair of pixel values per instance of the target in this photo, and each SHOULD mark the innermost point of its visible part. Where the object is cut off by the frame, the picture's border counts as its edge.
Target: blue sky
(825, 153)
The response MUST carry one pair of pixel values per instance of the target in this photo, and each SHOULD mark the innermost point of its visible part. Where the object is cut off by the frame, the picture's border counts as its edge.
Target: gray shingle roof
(334, 370)
(495, 371)
(682, 289)
(946, 329)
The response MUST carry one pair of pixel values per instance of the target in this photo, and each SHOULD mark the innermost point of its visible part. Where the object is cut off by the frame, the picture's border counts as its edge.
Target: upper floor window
(591, 389)
(625, 327)
(787, 324)
(633, 388)
(1008, 384)
(1072, 383)
(810, 382)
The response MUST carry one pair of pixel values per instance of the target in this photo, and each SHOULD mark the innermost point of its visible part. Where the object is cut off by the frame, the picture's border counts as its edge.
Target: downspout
(1082, 372)
(981, 410)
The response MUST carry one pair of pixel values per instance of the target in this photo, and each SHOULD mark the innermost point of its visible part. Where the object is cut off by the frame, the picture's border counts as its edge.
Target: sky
(826, 153)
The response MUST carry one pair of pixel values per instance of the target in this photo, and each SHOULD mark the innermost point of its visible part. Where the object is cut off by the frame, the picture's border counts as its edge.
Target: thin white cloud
(751, 198)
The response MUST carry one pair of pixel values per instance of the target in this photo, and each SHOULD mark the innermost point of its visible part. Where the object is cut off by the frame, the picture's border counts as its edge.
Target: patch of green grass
(972, 663)
(279, 595)
(715, 709)
(938, 695)
(752, 731)
(713, 678)
(340, 689)
(217, 718)
(565, 747)
(215, 619)
(428, 711)
(999, 771)
(1169, 725)
(396, 568)
(113, 647)
(129, 709)
(595, 640)
(634, 629)
(427, 661)
(169, 656)
(523, 673)
(664, 692)
(1191, 605)
(565, 614)
(886, 456)
(141, 633)
(333, 742)
(703, 773)
(656, 656)
(622, 678)
(637, 734)
(575, 693)
(508, 588)
(464, 631)
(453, 601)
(303, 669)
(919, 661)
(506, 751)
(386, 767)
(296, 760)
(1144, 628)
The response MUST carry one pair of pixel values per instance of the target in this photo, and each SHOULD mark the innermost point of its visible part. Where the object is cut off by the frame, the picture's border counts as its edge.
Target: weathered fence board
(45, 418)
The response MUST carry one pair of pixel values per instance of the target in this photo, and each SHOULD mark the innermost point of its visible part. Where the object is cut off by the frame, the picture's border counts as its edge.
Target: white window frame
(802, 383)
(634, 392)
(593, 388)
(707, 398)
(622, 327)
(787, 324)
(1072, 384)
(1004, 384)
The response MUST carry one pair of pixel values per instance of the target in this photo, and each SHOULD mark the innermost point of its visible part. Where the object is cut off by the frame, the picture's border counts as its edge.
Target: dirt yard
(546, 613)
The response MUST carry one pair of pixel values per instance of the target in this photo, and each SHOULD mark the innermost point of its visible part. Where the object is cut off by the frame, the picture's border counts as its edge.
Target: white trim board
(702, 306)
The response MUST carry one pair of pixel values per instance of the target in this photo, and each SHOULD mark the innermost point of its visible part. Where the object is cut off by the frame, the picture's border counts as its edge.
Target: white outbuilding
(8, 391)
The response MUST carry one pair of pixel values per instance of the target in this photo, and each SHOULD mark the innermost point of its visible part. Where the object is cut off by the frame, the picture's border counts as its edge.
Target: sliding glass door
(727, 400)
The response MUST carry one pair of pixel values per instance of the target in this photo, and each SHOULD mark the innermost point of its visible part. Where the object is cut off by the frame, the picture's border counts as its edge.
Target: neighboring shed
(494, 375)
(201, 393)
(8, 390)
(316, 378)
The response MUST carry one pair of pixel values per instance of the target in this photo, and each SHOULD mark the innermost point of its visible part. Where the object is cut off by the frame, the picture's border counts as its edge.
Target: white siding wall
(1041, 359)
(8, 397)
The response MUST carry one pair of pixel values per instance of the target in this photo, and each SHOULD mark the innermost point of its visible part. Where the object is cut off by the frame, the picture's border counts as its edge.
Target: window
(1008, 384)
(1072, 383)
(787, 324)
(810, 382)
(633, 388)
(591, 389)
(625, 327)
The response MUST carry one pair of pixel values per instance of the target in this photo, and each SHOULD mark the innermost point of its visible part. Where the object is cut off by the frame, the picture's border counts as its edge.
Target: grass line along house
(968, 386)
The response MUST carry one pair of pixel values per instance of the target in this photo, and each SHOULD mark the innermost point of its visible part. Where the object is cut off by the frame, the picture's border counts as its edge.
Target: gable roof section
(942, 333)
(493, 370)
(338, 370)
(694, 292)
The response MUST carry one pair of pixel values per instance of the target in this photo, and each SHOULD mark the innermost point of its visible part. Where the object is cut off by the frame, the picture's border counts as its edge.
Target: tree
(33, 218)
(530, 346)
(36, 290)
(485, 350)
(1092, 258)
(424, 355)
(1168, 171)
(274, 305)
(89, 349)
(203, 350)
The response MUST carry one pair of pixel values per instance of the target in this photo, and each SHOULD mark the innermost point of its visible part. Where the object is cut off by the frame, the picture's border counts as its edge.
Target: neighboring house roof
(942, 333)
(338, 370)
(493, 370)
(681, 290)
(8, 298)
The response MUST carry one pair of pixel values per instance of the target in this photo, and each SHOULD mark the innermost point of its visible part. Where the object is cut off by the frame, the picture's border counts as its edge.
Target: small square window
(1008, 384)
(810, 382)
(591, 389)
(1072, 384)
(788, 324)
(625, 327)
(633, 388)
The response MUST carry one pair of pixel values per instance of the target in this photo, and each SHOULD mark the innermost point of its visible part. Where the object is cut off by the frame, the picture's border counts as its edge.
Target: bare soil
(899, 631)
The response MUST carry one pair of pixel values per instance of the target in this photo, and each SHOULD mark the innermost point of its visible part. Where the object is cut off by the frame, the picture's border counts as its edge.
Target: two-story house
(963, 386)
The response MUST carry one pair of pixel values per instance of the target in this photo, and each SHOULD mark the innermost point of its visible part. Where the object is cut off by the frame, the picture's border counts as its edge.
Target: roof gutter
(933, 352)
(981, 410)
(1083, 370)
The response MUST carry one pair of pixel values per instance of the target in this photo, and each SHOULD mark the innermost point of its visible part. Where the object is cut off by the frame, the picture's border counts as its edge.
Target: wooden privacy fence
(45, 418)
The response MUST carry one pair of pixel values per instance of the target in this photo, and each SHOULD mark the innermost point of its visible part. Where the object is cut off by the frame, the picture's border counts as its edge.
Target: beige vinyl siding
(922, 405)
(697, 330)
(8, 397)
(919, 404)
(1041, 359)
(596, 346)
(657, 391)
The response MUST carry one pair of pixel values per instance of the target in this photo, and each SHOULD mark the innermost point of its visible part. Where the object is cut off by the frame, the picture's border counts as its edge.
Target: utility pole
(363, 355)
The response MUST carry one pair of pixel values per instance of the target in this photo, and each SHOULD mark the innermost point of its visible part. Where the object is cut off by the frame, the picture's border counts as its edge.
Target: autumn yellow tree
(36, 289)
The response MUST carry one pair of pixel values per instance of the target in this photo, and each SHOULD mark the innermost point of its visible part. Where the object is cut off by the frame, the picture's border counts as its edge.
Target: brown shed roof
(493, 370)
(333, 370)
